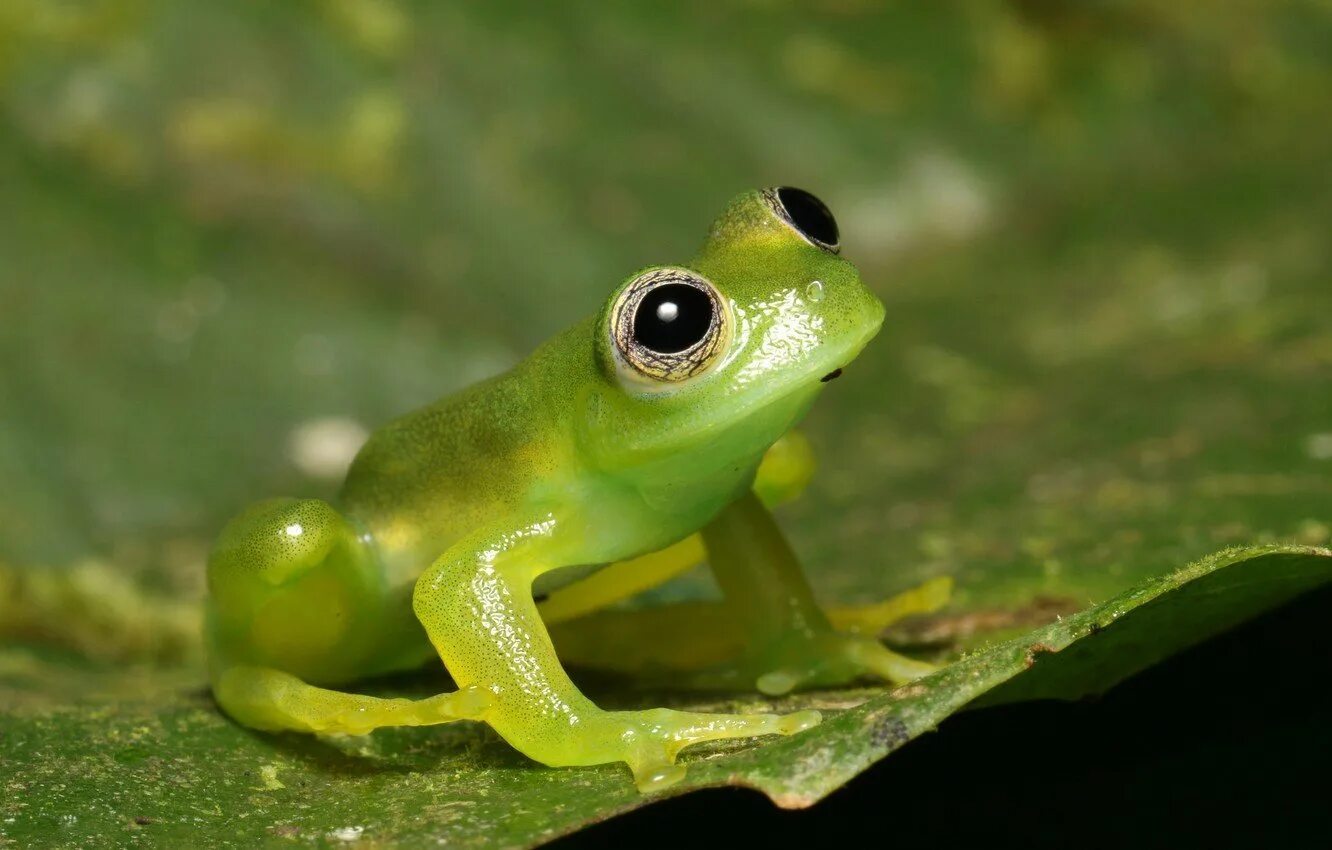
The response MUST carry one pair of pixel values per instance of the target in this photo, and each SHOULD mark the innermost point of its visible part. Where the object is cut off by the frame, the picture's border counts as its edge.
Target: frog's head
(704, 366)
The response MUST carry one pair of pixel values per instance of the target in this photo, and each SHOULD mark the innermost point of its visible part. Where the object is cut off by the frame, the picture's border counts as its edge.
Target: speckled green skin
(449, 514)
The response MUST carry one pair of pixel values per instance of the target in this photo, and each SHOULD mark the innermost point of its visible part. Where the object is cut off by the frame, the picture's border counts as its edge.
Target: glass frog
(622, 452)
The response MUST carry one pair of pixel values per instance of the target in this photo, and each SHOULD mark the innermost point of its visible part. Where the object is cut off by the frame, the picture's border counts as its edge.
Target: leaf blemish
(269, 775)
(948, 629)
(889, 732)
(908, 691)
(1036, 650)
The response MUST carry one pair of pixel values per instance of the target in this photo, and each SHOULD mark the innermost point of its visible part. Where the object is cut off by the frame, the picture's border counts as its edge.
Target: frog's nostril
(810, 216)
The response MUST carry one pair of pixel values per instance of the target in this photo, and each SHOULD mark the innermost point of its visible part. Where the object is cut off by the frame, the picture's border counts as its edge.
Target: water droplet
(814, 292)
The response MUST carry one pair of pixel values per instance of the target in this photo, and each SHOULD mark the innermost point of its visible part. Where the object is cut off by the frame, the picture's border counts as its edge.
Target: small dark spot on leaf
(143, 820)
(833, 374)
(889, 732)
(1035, 650)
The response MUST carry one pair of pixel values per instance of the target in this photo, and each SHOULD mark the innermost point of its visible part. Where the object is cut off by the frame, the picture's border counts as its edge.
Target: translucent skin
(450, 515)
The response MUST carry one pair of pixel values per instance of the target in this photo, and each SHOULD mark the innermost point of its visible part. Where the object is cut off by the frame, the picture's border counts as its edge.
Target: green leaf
(148, 755)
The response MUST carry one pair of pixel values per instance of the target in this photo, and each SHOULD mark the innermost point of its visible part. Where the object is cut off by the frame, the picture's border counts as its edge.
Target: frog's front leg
(790, 642)
(477, 607)
(783, 474)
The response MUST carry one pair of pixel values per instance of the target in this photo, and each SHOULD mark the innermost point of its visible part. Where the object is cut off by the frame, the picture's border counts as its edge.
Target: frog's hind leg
(292, 586)
(263, 698)
(296, 597)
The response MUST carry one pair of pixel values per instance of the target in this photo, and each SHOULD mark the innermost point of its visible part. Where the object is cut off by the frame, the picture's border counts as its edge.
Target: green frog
(630, 447)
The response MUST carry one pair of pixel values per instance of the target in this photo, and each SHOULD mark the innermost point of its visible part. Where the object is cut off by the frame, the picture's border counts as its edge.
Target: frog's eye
(669, 324)
(806, 214)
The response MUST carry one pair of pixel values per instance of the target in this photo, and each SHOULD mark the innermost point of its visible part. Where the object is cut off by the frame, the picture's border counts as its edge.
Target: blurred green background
(235, 236)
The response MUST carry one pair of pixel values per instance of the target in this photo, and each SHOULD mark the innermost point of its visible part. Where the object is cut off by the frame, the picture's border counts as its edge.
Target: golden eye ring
(669, 325)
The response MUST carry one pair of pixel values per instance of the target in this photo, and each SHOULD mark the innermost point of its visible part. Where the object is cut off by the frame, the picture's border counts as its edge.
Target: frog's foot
(649, 741)
(268, 699)
(823, 656)
(830, 659)
(705, 639)
(801, 660)
(851, 650)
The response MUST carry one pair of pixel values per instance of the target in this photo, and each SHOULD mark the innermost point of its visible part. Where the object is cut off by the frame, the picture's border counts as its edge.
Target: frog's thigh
(293, 589)
(783, 474)
(269, 699)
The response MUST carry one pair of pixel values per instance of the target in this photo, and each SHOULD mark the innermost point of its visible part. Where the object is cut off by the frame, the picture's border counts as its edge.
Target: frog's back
(427, 478)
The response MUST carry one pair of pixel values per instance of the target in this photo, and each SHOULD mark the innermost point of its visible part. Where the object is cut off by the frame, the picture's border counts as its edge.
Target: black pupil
(672, 317)
(809, 215)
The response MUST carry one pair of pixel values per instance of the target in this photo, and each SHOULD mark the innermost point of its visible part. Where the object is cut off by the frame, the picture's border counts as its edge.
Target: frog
(500, 529)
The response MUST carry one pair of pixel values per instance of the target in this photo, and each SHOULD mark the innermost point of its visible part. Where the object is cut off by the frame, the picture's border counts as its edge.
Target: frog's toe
(656, 777)
(832, 669)
(469, 703)
(925, 598)
(833, 660)
(882, 662)
(798, 721)
(775, 683)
